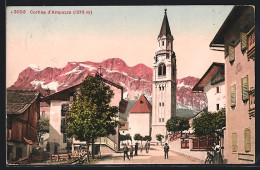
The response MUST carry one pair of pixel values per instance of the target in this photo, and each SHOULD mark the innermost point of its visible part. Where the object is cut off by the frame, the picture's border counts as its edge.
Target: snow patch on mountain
(89, 67)
(52, 85)
(183, 85)
(76, 70)
(35, 67)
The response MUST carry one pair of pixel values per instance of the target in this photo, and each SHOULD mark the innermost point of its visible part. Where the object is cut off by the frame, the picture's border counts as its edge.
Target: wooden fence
(185, 144)
(205, 142)
(175, 137)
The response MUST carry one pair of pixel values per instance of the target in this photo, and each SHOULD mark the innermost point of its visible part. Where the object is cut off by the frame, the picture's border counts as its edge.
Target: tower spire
(165, 28)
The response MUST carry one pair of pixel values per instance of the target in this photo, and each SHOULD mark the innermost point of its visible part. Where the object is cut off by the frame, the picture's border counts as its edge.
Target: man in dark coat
(125, 149)
(166, 150)
(136, 148)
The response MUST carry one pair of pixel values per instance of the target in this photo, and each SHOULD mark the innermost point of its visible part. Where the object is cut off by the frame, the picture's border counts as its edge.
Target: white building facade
(140, 118)
(213, 84)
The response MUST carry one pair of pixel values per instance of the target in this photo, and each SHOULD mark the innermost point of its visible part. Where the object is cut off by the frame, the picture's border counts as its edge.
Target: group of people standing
(132, 149)
(147, 148)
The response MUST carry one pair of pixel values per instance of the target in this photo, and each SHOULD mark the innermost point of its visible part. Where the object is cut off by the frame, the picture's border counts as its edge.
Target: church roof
(142, 105)
(165, 29)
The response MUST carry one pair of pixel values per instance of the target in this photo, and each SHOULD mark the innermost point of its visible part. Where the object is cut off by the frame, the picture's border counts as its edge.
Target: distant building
(236, 37)
(23, 107)
(140, 118)
(164, 82)
(213, 84)
(60, 103)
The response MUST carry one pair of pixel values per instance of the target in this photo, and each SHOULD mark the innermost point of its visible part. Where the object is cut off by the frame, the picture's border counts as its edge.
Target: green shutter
(247, 139)
(63, 125)
(244, 86)
(234, 142)
(233, 95)
(231, 53)
(243, 40)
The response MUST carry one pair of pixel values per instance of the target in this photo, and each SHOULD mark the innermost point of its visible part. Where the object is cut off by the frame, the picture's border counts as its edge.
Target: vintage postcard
(151, 85)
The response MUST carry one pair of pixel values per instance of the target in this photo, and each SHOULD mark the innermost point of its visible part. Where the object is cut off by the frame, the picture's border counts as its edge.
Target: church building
(164, 81)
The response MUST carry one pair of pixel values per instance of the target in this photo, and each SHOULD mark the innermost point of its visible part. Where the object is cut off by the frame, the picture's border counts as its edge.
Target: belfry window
(162, 70)
(162, 43)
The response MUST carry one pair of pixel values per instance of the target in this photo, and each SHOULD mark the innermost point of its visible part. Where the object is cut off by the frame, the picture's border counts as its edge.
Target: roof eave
(219, 37)
(197, 87)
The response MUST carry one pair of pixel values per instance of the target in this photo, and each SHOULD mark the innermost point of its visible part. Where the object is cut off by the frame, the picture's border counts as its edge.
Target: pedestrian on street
(146, 146)
(136, 148)
(166, 150)
(141, 148)
(217, 158)
(125, 149)
(131, 151)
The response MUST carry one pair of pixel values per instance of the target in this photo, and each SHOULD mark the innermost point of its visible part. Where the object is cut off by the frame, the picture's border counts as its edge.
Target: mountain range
(135, 80)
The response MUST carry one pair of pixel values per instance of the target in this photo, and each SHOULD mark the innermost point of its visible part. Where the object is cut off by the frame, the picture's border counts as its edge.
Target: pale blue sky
(126, 32)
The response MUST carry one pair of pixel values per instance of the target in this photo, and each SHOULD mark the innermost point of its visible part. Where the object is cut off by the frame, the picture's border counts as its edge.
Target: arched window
(162, 70)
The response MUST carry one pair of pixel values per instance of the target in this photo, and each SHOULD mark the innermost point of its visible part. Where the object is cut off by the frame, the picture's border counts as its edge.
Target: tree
(122, 138)
(177, 124)
(147, 138)
(208, 123)
(41, 124)
(159, 137)
(91, 115)
(128, 137)
(138, 137)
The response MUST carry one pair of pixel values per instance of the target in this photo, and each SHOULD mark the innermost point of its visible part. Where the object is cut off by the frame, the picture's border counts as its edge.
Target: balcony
(251, 44)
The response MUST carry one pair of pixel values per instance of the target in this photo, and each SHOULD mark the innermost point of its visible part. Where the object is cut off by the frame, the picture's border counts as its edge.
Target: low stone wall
(176, 147)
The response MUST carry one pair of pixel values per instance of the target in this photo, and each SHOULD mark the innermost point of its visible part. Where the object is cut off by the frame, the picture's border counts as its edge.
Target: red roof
(142, 105)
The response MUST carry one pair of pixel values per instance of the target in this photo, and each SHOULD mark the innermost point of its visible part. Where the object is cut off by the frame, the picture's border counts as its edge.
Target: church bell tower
(164, 81)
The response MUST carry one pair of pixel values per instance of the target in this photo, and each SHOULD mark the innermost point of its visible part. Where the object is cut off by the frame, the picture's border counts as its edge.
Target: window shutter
(247, 139)
(243, 40)
(245, 88)
(64, 109)
(63, 125)
(231, 53)
(234, 142)
(233, 95)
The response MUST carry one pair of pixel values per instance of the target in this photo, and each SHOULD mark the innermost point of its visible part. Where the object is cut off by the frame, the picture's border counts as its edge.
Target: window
(244, 85)
(162, 43)
(162, 70)
(243, 40)
(247, 136)
(63, 125)
(64, 138)
(231, 52)
(234, 142)
(162, 103)
(218, 89)
(159, 119)
(233, 95)
(217, 106)
(160, 88)
(64, 109)
(159, 103)
(159, 44)
(162, 119)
